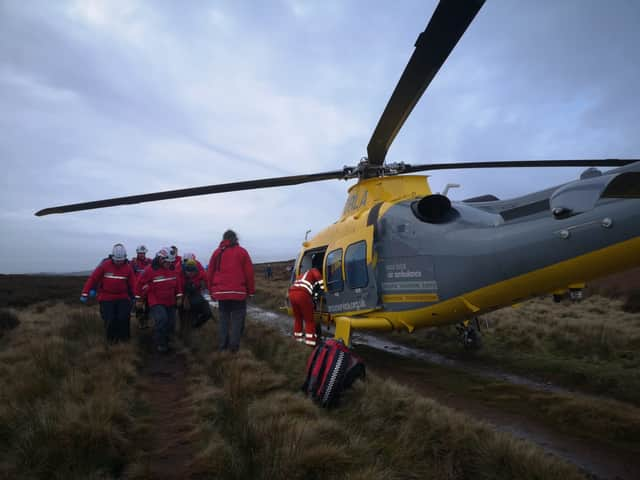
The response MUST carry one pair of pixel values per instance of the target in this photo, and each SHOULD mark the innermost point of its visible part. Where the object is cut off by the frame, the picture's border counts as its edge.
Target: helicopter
(403, 257)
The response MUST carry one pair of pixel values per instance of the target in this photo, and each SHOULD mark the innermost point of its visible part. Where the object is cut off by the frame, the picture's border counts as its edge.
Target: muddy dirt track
(440, 380)
(169, 445)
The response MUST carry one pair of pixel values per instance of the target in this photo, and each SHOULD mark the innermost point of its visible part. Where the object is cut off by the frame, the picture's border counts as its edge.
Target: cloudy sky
(104, 98)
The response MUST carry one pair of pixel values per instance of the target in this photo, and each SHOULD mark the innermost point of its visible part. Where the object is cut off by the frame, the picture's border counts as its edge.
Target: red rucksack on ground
(332, 368)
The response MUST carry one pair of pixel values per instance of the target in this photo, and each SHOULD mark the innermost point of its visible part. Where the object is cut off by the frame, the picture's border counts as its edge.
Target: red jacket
(113, 281)
(308, 281)
(139, 265)
(230, 273)
(159, 286)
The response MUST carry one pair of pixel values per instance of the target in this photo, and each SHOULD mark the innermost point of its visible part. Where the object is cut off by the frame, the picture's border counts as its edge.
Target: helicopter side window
(334, 280)
(355, 265)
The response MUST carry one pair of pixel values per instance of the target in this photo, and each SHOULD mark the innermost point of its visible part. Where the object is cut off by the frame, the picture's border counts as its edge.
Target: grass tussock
(65, 398)
(261, 426)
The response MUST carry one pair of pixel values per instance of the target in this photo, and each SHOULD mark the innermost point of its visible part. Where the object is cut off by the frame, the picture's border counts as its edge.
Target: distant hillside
(281, 269)
(23, 290)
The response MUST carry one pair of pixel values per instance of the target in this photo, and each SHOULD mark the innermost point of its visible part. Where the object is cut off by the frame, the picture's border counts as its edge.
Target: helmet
(189, 256)
(190, 265)
(173, 250)
(141, 249)
(119, 253)
(166, 254)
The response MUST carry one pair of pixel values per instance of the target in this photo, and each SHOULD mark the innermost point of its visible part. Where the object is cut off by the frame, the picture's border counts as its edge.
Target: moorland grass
(593, 346)
(65, 397)
(72, 400)
(8, 320)
(262, 427)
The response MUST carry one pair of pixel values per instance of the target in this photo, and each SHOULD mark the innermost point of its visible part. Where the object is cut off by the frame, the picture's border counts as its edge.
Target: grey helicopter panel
(482, 246)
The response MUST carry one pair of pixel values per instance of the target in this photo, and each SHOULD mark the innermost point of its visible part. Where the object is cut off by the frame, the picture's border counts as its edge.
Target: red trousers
(302, 307)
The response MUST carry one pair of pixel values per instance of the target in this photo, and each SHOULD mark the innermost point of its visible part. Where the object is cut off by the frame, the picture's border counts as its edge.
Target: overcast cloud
(109, 98)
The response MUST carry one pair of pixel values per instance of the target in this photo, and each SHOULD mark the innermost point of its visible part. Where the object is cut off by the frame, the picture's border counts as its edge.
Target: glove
(84, 298)
(92, 292)
(139, 304)
(179, 301)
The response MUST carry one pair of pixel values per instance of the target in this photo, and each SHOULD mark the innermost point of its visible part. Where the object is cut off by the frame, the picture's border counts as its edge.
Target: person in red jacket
(230, 280)
(301, 293)
(192, 256)
(139, 264)
(114, 280)
(177, 263)
(141, 261)
(196, 310)
(161, 286)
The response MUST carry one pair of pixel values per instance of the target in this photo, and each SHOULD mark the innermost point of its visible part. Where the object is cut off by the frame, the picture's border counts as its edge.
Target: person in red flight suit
(230, 278)
(114, 280)
(161, 286)
(139, 264)
(301, 299)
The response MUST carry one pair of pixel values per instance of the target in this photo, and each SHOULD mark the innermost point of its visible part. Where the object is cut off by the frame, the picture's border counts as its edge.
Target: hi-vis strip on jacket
(311, 280)
(115, 277)
(164, 279)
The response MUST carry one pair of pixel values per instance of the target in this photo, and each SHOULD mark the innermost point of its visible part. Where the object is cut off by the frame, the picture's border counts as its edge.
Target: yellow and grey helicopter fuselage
(401, 257)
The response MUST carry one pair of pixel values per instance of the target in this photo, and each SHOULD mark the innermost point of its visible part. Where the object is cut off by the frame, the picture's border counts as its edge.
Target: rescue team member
(192, 256)
(139, 264)
(177, 263)
(195, 282)
(161, 286)
(114, 280)
(141, 261)
(230, 278)
(301, 299)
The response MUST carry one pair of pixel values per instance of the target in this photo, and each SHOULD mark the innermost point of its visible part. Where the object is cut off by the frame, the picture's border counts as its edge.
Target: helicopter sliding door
(350, 281)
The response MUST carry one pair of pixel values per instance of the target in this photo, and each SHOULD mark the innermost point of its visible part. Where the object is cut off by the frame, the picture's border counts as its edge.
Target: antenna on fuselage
(449, 186)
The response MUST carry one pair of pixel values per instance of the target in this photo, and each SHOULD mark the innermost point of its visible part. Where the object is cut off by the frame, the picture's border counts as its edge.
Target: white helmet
(166, 254)
(119, 253)
(141, 249)
(188, 256)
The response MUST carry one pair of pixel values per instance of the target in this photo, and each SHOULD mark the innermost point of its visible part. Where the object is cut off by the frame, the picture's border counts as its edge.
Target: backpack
(331, 369)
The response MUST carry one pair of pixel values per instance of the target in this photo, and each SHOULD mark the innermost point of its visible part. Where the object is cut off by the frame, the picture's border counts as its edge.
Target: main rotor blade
(433, 46)
(191, 192)
(608, 162)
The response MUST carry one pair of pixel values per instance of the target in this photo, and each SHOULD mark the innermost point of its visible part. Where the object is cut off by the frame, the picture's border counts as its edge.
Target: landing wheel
(470, 335)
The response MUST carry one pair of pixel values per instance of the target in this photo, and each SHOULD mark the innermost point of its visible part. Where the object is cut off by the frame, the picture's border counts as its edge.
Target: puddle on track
(596, 459)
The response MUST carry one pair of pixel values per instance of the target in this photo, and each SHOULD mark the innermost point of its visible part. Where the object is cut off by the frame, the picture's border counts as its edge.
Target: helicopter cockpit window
(334, 280)
(355, 265)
